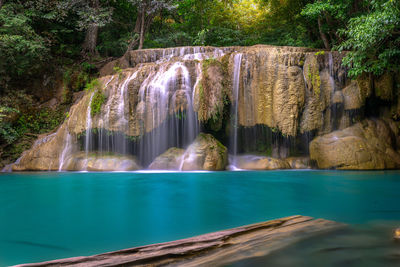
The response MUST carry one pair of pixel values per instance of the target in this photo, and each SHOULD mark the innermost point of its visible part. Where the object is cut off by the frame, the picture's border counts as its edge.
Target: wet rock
(272, 88)
(337, 98)
(384, 87)
(205, 153)
(169, 160)
(210, 92)
(366, 145)
(299, 162)
(98, 162)
(44, 154)
(353, 98)
(260, 163)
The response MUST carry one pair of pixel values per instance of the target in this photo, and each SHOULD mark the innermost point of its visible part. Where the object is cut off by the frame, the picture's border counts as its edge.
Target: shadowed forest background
(50, 51)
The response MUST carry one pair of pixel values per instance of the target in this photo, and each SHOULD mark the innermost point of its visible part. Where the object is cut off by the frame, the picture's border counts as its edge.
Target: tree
(146, 11)
(22, 50)
(374, 40)
(89, 46)
(92, 14)
(330, 15)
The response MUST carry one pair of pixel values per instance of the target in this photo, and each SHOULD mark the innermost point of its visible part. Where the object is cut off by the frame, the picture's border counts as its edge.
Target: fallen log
(213, 249)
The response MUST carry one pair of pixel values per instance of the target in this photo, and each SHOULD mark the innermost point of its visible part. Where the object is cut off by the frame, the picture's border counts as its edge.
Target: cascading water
(88, 128)
(173, 118)
(164, 109)
(66, 151)
(233, 141)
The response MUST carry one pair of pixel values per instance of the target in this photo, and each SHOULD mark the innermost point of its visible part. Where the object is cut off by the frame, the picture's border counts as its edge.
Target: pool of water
(45, 216)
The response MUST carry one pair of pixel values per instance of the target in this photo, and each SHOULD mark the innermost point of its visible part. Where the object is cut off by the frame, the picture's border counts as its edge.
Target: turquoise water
(45, 216)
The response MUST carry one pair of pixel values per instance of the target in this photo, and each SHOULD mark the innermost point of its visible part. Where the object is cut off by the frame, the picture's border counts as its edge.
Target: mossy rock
(205, 153)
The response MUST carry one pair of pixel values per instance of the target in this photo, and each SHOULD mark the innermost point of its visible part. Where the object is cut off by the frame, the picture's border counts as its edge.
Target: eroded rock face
(293, 91)
(169, 160)
(205, 153)
(367, 145)
(95, 162)
(44, 155)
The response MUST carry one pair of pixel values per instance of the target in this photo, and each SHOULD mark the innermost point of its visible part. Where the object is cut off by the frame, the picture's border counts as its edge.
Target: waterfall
(173, 121)
(233, 140)
(66, 151)
(88, 128)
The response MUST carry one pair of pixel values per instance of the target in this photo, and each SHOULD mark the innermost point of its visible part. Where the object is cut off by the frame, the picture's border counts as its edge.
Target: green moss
(93, 85)
(313, 75)
(97, 101)
(320, 53)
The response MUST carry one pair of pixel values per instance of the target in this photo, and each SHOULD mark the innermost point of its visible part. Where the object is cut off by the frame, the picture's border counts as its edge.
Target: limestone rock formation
(384, 87)
(353, 97)
(205, 153)
(44, 155)
(368, 145)
(261, 163)
(98, 162)
(156, 96)
(272, 88)
(249, 162)
(169, 160)
(299, 162)
(211, 91)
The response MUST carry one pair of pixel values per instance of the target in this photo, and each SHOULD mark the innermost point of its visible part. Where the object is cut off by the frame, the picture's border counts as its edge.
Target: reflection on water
(361, 245)
(91, 213)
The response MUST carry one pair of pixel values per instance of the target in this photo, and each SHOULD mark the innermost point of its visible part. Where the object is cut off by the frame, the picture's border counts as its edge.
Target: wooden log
(213, 249)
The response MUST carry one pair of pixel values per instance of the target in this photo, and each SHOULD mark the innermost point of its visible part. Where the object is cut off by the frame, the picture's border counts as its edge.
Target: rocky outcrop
(367, 145)
(249, 162)
(100, 163)
(299, 163)
(205, 153)
(151, 93)
(212, 92)
(169, 160)
(44, 155)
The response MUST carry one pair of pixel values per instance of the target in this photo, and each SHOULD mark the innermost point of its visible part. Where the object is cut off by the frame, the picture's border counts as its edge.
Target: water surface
(45, 216)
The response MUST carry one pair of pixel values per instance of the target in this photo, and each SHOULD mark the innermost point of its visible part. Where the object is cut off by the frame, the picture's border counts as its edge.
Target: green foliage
(93, 85)
(22, 50)
(97, 101)
(374, 40)
(117, 70)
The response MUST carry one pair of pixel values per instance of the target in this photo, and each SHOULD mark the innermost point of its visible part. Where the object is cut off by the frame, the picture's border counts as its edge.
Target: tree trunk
(132, 44)
(1, 3)
(323, 35)
(89, 46)
(141, 40)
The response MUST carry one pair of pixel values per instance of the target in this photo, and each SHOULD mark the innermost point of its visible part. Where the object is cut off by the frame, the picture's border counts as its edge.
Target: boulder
(249, 162)
(367, 145)
(98, 162)
(45, 153)
(205, 153)
(299, 162)
(169, 160)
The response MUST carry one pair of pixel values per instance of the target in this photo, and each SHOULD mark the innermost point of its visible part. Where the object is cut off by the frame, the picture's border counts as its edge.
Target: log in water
(213, 249)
